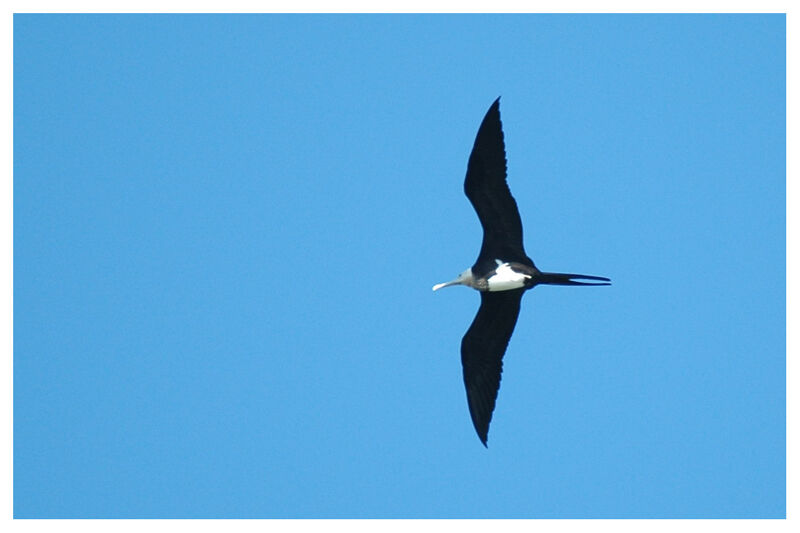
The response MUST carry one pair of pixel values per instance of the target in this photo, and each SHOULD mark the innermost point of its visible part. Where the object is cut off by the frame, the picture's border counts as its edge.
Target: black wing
(482, 350)
(486, 187)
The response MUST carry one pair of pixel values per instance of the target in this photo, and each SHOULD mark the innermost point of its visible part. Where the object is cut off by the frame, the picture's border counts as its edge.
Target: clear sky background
(226, 230)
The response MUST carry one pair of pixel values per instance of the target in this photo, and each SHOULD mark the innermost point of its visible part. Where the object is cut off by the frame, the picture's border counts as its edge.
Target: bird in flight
(502, 272)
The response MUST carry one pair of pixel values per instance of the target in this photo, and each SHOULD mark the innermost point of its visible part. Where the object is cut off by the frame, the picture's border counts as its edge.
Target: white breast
(505, 279)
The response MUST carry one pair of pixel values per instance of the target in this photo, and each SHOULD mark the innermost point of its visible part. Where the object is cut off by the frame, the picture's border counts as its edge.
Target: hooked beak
(438, 286)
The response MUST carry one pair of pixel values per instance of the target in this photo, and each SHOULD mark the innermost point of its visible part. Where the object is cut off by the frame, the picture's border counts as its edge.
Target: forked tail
(554, 278)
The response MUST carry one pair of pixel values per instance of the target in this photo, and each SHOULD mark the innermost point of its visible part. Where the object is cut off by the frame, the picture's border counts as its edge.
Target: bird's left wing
(482, 350)
(486, 187)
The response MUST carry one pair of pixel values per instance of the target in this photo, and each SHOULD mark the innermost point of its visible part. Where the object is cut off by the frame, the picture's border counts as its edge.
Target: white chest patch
(505, 279)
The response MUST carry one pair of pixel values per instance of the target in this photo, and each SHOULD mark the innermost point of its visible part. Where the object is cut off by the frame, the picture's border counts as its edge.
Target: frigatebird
(502, 272)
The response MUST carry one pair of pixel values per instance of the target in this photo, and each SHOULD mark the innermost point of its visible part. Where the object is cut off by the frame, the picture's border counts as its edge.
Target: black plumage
(487, 190)
(482, 350)
(502, 272)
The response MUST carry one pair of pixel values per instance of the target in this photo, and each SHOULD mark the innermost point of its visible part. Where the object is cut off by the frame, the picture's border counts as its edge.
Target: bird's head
(465, 278)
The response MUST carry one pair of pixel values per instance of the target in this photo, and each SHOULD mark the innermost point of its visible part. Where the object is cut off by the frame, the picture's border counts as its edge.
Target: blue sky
(226, 230)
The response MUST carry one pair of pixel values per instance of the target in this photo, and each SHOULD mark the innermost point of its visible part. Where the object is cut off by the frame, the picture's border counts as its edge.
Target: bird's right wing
(482, 350)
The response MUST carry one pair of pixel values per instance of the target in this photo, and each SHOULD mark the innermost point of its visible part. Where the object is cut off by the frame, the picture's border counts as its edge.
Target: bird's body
(502, 272)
